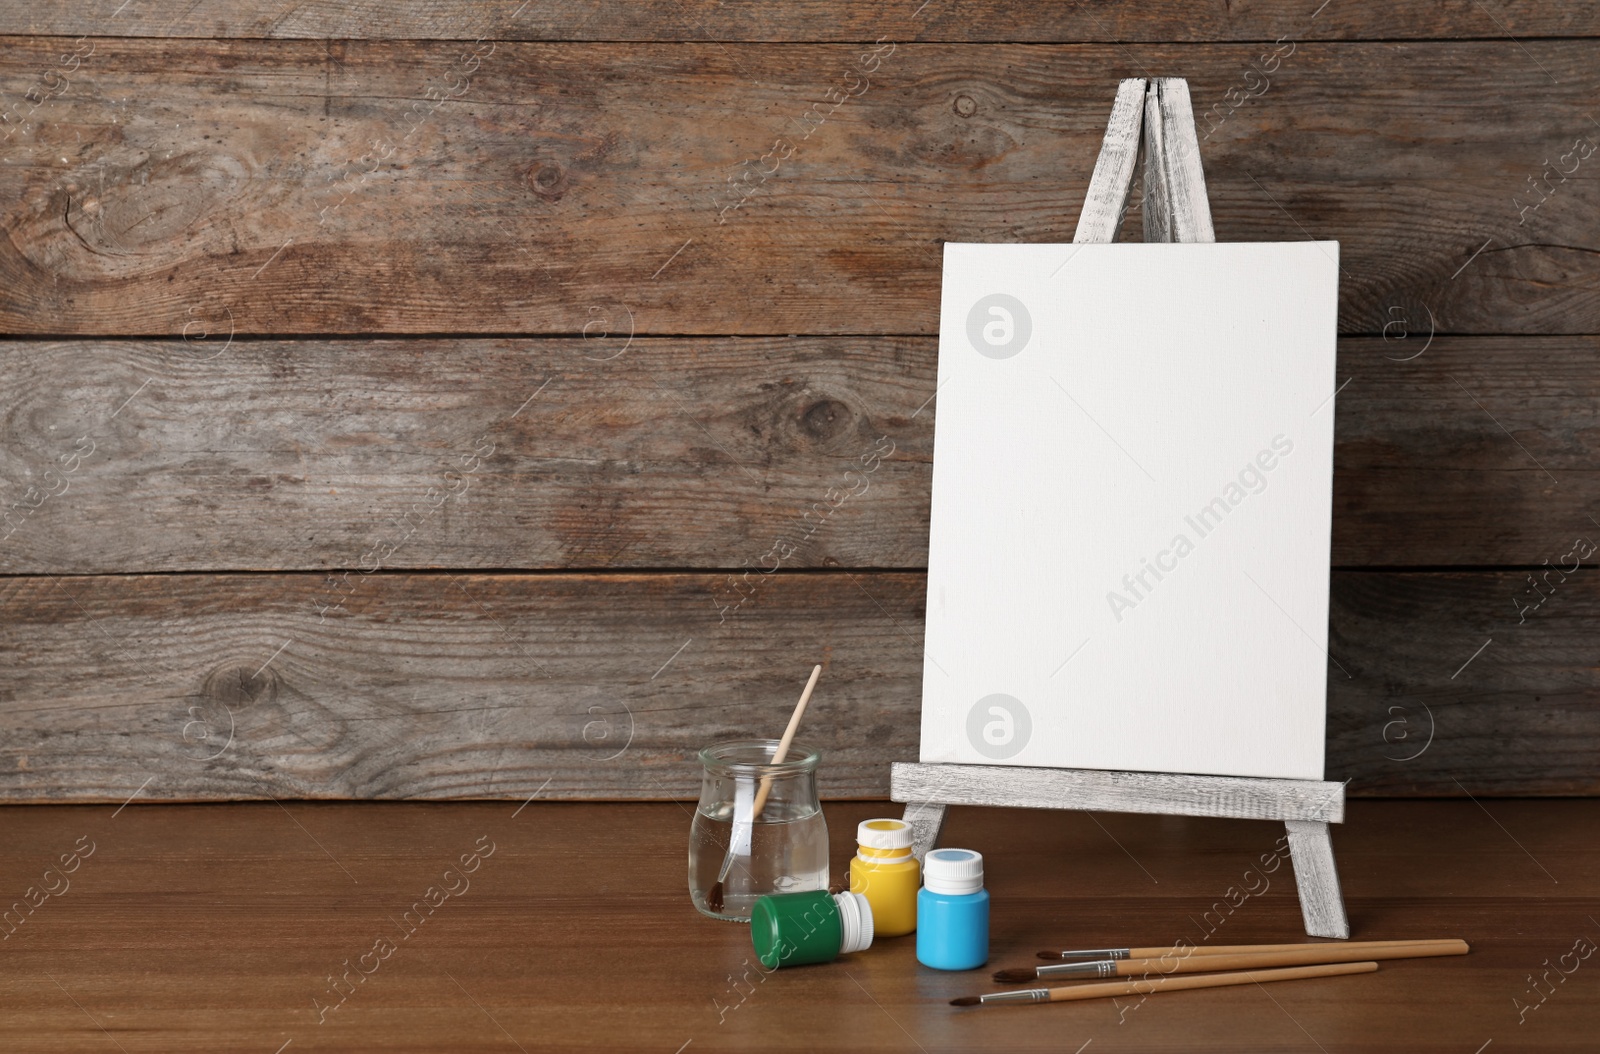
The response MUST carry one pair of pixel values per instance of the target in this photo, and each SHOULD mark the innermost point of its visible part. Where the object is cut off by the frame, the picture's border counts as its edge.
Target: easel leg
(925, 818)
(1321, 902)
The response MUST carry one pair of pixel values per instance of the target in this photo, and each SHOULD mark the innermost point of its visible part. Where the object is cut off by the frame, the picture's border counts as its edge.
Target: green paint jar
(792, 929)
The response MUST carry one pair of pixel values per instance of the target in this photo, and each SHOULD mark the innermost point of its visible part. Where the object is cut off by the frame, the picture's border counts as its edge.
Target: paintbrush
(1159, 951)
(1170, 984)
(1302, 955)
(742, 830)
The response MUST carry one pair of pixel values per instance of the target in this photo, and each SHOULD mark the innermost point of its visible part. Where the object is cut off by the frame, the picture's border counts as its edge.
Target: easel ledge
(1305, 807)
(1168, 793)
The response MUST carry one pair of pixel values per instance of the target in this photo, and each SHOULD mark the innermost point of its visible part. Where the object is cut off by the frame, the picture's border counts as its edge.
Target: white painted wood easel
(1175, 209)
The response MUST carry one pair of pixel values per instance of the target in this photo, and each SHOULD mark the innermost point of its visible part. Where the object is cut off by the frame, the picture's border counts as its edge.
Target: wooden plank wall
(474, 400)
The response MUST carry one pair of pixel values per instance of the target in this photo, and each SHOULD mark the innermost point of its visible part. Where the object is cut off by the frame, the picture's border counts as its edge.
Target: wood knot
(146, 202)
(826, 418)
(211, 721)
(548, 179)
(238, 685)
(965, 106)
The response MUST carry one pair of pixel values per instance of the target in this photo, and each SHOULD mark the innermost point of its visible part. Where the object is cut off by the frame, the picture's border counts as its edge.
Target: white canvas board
(1132, 493)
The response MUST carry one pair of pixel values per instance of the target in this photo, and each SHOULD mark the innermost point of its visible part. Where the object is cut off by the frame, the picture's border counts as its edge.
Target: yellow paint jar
(885, 872)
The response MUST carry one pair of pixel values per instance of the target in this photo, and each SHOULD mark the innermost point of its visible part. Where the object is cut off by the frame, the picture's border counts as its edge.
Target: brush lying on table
(1162, 984)
(1181, 950)
(1223, 958)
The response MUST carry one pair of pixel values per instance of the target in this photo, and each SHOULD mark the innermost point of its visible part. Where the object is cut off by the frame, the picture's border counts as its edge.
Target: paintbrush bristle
(1013, 976)
(1051, 956)
(967, 1000)
(714, 897)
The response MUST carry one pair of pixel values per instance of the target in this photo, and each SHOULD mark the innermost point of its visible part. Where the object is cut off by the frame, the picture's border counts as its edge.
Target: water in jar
(788, 854)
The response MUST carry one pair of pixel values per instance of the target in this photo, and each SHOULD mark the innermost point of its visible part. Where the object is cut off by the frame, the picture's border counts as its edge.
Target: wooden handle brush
(1304, 954)
(714, 894)
(1162, 984)
(1157, 951)
(784, 743)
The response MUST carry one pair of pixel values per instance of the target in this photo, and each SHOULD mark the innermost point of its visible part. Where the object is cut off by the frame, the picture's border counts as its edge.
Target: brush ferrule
(1103, 968)
(1021, 995)
(1097, 953)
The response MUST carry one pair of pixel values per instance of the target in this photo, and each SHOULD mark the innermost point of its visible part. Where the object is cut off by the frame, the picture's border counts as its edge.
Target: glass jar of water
(737, 852)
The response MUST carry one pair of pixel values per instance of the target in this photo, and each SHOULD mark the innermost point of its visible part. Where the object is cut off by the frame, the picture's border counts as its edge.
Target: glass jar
(783, 849)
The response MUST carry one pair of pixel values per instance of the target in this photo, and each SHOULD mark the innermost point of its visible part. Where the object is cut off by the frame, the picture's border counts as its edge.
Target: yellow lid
(884, 839)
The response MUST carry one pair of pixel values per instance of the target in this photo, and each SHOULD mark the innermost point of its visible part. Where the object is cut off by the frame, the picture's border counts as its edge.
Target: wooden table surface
(215, 928)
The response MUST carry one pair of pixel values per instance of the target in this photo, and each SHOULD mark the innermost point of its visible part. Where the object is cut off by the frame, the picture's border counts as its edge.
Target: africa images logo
(999, 726)
(999, 326)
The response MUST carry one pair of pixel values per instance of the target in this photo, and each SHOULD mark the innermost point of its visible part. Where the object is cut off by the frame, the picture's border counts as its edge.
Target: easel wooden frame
(1175, 209)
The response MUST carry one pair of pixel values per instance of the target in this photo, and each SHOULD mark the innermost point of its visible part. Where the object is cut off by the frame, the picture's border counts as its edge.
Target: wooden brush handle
(1208, 980)
(1241, 949)
(1304, 955)
(783, 744)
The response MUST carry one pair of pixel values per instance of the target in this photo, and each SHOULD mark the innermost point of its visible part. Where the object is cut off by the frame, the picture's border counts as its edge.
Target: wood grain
(802, 20)
(1441, 667)
(481, 453)
(525, 953)
(637, 198)
(383, 187)
(441, 685)
(316, 454)
(1479, 441)
(451, 685)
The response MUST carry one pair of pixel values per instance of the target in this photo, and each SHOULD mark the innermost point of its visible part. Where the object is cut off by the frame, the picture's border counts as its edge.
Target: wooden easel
(1175, 209)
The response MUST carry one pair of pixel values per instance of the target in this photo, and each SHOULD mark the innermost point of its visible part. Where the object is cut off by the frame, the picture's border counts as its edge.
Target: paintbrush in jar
(743, 829)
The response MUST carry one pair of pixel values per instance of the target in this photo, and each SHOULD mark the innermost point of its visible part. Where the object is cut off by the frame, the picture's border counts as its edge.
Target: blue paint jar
(952, 911)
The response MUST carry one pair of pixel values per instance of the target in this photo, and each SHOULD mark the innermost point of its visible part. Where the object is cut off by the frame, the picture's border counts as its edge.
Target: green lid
(790, 929)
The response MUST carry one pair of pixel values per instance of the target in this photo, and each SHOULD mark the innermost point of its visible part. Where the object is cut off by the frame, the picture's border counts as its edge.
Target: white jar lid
(855, 922)
(884, 834)
(955, 872)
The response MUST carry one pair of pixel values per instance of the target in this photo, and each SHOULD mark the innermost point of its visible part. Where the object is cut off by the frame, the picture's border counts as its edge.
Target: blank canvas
(1132, 488)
